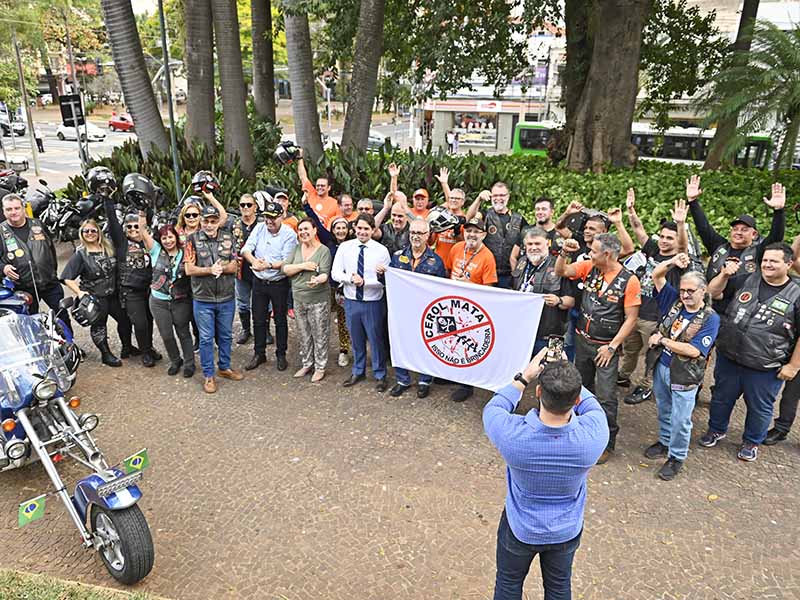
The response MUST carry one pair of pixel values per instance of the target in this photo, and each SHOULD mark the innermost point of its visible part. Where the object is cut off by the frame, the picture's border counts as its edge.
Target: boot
(244, 317)
(129, 350)
(147, 359)
(106, 357)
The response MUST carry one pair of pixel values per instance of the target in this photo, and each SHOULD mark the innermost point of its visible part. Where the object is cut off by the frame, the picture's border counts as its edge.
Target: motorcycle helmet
(138, 191)
(440, 219)
(287, 152)
(87, 312)
(101, 181)
(204, 181)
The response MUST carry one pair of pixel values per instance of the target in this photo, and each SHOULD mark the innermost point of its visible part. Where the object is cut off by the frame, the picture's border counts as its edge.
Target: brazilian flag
(31, 510)
(136, 462)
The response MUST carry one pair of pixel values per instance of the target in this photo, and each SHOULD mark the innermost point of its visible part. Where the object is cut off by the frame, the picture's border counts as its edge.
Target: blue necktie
(360, 271)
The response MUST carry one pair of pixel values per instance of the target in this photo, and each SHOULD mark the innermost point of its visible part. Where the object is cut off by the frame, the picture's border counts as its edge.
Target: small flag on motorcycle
(137, 462)
(31, 510)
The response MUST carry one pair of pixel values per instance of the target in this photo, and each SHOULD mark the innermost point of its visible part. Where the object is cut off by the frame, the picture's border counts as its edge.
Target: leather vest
(394, 240)
(759, 336)
(542, 281)
(37, 254)
(501, 240)
(683, 370)
(162, 281)
(602, 314)
(748, 258)
(135, 271)
(99, 274)
(208, 250)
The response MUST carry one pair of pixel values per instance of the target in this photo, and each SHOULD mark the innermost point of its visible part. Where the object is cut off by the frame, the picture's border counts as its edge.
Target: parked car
(93, 132)
(376, 141)
(120, 122)
(18, 127)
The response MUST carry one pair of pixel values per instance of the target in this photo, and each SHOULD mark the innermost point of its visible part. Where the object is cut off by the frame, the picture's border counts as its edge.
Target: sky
(144, 6)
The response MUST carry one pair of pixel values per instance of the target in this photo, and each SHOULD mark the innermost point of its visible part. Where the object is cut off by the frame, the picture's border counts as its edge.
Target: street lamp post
(24, 93)
(168, 81)
(82, 153)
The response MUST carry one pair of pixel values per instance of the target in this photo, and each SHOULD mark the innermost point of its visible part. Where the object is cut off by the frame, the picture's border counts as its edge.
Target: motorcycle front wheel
(127, 550)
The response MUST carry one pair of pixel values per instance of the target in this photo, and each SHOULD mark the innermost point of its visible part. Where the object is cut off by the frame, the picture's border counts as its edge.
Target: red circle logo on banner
(457, 331)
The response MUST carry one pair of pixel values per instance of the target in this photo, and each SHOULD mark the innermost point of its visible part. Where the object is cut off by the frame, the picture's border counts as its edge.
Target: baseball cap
(422, 192)
(475, 222)
(745, 220)
(273, 210)
(209, 211)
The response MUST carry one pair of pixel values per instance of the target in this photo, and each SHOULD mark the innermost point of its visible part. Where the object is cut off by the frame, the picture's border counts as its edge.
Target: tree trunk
(263, 65)
(301, 77)
(604, 113)
(579, 56)
(786, 153)
(726, 128)
(126, 48)
(199, 59)
(234, 91)
(369, 47)
(52, 84)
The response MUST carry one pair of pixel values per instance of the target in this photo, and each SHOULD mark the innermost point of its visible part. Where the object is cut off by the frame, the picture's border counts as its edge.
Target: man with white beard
(535, 273)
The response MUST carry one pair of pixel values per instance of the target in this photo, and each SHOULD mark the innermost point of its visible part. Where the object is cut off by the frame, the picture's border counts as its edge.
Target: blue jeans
(760, 388)
(674, 413)
(514, 560)
(215, 322)
(404, 377)
(244, 292)
(366, 323)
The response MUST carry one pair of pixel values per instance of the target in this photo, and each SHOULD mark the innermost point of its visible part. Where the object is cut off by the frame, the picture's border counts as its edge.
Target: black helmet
(101, 181)
(287, 152)
(87, 312)
(204, 181)
(138, 191)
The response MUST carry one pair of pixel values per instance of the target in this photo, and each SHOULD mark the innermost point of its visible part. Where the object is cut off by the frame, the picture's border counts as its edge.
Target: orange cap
(422, 192)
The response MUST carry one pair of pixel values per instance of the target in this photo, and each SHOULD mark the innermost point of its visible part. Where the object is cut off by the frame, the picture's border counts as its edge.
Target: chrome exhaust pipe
(92, 454)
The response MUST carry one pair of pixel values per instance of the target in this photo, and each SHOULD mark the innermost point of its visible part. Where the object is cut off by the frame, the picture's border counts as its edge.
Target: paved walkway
(273, 489)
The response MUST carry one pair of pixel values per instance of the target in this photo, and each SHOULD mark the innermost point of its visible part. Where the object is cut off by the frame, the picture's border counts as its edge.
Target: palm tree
(199, 60)
(301, 77)
(369, 47)
(263, 65)
(234, 92)
(764, 89)
(126, 49)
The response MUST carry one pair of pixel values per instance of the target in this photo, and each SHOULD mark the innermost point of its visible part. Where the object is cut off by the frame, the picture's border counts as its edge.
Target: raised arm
(776, 202)
(615, 216)
(633, 218)
(473, 209)
(394, 173)
(114, 227)
(561, 225)
(145, 233)
(388, 201)
(301, 169)
(223, 214)
(709, 236)
(562, 268)
(679, 214)
(716, 287)
(443, 179)
(660, 272)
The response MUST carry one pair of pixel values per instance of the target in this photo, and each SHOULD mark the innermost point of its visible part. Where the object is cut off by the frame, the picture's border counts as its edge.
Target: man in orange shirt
(282, 198)
(608, 313)
(454, 202)
(346, 208)
(324, 205)
(472, 262)
(420, 203)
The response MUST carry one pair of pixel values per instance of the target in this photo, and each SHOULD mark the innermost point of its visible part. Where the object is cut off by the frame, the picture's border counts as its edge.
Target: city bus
(676, 144)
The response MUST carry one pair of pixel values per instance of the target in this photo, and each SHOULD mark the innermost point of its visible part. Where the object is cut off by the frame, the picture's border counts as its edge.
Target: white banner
(463, 332)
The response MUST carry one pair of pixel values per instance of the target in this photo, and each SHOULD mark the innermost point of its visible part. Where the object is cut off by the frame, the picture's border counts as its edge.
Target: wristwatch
(521, 379)
(612, 348)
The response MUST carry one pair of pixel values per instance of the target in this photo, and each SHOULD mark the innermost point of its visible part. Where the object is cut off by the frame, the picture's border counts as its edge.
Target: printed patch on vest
(492, 229)
(750, 267)
(745, 297)
(404, 259)
(19, 253)
(706, 341)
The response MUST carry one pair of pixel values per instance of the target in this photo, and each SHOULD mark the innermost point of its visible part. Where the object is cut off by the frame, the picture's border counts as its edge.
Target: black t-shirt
(247, 270)
(76, 266)
(649, 310)
(22, 232)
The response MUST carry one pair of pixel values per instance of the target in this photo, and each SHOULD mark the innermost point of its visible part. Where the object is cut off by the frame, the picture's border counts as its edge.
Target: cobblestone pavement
(282, 490)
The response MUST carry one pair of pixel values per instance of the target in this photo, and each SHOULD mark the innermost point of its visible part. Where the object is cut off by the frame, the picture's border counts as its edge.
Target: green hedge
(657, 184)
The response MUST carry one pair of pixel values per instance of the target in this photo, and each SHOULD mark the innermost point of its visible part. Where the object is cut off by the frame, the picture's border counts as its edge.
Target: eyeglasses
(211, 220)
(246, 205)
(132, 226)
(417, 233)
(683, 292)
(88, 231)
(191, 215)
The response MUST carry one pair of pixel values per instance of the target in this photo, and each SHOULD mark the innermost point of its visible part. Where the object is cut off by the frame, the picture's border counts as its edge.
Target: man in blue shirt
(678, 350)
(419, 258)
(267, 248)
(549, 453)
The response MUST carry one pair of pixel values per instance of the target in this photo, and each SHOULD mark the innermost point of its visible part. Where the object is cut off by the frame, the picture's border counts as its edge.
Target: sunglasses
(132, 226)
(246, 205)
(191, 215)
(417, 233)
(88, 231)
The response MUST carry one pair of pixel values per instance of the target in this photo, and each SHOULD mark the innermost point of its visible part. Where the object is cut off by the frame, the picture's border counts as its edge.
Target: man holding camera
(608, 312)
(549, 452)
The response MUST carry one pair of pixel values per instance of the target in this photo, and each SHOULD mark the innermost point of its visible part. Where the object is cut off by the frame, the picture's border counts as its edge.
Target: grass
(15, 585)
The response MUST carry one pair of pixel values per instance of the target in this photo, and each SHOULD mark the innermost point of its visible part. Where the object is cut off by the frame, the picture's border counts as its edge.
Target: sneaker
(710, 439)
(670, 469)
(344, 359)
(774, 436)
(623, 381)
(638, 395)
(748, 452)
(657, 450)
(398, 390)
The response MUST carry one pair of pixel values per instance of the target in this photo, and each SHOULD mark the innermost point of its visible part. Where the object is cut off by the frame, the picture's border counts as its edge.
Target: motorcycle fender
(86, 495)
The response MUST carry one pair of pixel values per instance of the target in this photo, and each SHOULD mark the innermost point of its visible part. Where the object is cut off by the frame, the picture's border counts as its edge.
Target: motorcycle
(39, 199)
(39, 423)
(63, 217)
